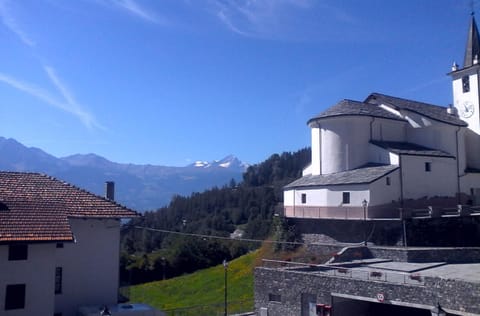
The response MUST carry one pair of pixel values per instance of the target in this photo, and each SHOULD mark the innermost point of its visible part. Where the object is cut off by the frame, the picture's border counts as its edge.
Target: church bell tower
(466, 84)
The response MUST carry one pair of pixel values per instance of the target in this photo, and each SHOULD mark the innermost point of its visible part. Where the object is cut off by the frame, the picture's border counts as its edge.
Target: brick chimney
(110, 190)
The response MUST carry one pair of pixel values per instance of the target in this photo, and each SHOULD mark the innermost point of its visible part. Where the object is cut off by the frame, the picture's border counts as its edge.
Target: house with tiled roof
(59, 246)
(388, 157)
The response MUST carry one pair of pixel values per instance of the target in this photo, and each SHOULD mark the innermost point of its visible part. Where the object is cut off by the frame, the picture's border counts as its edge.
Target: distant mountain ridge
(141, 187)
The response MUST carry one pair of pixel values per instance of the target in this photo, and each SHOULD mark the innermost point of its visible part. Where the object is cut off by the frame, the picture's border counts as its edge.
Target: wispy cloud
(277, 19)
(10, 22)
(135, 9)
(69, 105)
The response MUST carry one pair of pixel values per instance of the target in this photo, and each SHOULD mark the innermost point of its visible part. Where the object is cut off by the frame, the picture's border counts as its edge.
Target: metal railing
(361, 273)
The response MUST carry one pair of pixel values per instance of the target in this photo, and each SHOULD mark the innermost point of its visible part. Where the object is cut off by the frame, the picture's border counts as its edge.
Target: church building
(386, 157)
(388, 209)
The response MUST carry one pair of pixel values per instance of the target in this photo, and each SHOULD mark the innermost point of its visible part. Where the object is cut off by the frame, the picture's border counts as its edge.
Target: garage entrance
(348, 307)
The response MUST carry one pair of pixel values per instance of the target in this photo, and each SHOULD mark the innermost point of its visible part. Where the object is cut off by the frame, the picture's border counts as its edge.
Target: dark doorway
(375, 309)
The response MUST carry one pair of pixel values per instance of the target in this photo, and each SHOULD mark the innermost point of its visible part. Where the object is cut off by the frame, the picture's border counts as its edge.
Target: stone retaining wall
(294, 290)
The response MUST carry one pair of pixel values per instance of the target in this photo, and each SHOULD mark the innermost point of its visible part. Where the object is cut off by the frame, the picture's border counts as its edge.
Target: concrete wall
(293, 285)
(90, 265)
(37, 273)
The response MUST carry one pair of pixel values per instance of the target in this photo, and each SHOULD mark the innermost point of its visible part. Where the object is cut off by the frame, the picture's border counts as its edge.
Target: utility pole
(225, 266)
(364, 204)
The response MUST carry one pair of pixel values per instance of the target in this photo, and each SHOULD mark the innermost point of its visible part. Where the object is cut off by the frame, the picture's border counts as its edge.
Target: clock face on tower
(466, 109)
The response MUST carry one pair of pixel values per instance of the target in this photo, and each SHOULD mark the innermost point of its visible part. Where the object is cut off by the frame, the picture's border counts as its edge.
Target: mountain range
(140, 187)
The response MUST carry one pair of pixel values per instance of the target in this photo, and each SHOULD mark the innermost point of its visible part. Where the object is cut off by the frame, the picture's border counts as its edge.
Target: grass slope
(200, 291)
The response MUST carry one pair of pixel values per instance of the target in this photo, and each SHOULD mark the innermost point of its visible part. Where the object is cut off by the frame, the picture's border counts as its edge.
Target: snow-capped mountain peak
(229, 162)
(200, 163)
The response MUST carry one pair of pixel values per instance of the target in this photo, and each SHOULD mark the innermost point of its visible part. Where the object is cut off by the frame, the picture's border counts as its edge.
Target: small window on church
(388, 180)
(428, 167)
(304, 198)
(466, 84)
(346, 198)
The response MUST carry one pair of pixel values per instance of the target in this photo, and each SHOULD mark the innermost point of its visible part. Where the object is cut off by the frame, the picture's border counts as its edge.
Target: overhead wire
(241, 239)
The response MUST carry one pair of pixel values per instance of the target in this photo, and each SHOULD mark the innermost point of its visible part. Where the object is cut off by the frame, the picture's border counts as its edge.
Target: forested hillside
(248, 206)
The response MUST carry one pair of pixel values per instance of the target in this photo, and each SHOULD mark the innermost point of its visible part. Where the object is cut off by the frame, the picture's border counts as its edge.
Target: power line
(219, 237)
(241, 239)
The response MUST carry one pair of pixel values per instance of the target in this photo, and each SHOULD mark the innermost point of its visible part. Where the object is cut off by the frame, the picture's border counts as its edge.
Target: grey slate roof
(363, 175)
(473, 44)
(436, 112)
(350, 107)
(404, 148)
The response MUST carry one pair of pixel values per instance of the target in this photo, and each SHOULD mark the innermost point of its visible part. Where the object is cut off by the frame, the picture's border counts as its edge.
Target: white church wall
(381, 155)
(386, 189)
(326, 202)
(472, 142)
(440, 181)
(459, 98)
(388, 130)
(470, 182)
(436, 135)
(344, 143)
(315, 167)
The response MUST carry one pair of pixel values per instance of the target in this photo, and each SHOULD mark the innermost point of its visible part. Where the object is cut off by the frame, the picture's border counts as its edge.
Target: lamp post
(105, 311)
(364, 204)
(438, 311)
(164, 263)
(225, 266)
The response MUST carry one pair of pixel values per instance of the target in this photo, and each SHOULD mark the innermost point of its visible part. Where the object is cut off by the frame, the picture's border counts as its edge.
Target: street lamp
(225, 266)
(438, 311)
(105, 311)
(164, 263)
(364, 204)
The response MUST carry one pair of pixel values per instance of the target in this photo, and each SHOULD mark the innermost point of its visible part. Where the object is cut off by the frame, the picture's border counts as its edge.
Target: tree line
(248, 207)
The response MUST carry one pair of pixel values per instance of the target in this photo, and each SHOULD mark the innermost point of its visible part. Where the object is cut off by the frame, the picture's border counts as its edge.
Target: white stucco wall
(469, 181)
(459, 97)
(315, 166)
(388, 130)
(380, 155)
(381, 193)
(37, 273)
(436, 135)
(344, 143)
(90, 265)
(327, 196)
(440, 181)
(472, 142)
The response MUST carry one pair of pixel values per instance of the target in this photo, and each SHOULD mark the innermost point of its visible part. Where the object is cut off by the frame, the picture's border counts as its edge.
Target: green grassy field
(202, 292)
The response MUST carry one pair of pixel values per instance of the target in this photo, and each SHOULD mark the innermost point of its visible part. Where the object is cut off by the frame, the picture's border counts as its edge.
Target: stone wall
(449, 254)
(293, 289)
(379, 232)
(420, 232)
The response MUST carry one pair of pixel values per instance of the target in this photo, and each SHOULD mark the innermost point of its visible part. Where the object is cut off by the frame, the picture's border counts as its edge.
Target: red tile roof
(36, 207)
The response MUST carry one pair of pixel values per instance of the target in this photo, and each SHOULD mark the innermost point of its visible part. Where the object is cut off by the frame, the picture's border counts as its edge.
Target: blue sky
(170, 82)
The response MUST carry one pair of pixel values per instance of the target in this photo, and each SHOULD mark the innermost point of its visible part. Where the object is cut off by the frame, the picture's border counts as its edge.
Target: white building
(59, 246)
(388, 155)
